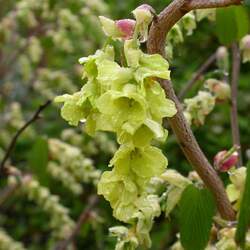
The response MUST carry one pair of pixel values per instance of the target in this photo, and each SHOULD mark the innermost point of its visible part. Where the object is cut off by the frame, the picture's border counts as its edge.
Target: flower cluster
(128, 101)
(75, 168)
(236, 187)
(198, 107)
(201, 105)
(11, 120)
(7, 243)
(60, 222)
(245, 48)
(35, 32)
(90, 146)
(59, 173)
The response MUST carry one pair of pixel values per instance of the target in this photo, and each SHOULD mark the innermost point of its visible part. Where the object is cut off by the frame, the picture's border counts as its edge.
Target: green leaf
(244, 216)
(38, 160)
(196, 212)
(232, 23)
(242, 20)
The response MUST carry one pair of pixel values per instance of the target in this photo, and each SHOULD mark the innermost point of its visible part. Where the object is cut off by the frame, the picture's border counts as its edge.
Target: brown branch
(82, 219)
(234, 94)
(19, 132)
(203, 68)
(156, 44)
(206, 4)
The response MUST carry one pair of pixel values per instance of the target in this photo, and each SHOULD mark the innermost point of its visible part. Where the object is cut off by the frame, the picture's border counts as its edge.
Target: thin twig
(196, 76)
(156, 44)
(8, 191)
(19, 132)
(82, 219)
(234, 95)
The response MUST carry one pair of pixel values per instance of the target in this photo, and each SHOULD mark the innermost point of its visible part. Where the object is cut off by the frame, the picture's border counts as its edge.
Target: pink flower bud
(126, 27)
(223, 163)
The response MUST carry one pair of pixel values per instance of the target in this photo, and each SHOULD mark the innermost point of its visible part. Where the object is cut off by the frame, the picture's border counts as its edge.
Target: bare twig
(203, 68)
(9, 190)
(234, 94)
(156, 44)
(82, 219)
(19, 132)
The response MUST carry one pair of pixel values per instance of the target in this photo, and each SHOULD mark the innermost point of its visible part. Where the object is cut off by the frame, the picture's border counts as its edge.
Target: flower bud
(123, 28)
(223, 161)
(126, 27)
(245, 47)
(221, 89)
(144, 15)
(221, 53)
(222, 58)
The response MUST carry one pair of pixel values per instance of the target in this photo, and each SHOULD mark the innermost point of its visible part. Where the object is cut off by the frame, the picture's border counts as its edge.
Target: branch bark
(156, 44)
(203, 68)
(19, 132)
(234, 95)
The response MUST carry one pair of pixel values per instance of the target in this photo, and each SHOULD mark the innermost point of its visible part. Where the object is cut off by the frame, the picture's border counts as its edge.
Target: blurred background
(40, 44)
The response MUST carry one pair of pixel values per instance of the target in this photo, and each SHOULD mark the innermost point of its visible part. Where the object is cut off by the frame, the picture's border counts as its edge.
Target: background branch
(19, 132)
(234, 93)
(196, 76)
(82, 219)
(156, 44)
(9, 190)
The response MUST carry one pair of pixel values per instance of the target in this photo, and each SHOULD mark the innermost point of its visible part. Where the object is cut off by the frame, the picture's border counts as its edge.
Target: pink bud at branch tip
(223, 161)
(126, 27)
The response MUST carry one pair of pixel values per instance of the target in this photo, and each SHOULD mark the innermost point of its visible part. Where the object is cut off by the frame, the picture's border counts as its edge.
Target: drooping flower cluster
(10, 121)
(7, 243)
(201, 105)
(90, 146)
(236, 188)
(35, 62)
(60, 222)
(198, 107)
(186, 26)
(68, 165)
(129, 102)
(220, 89)
(245, 48)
